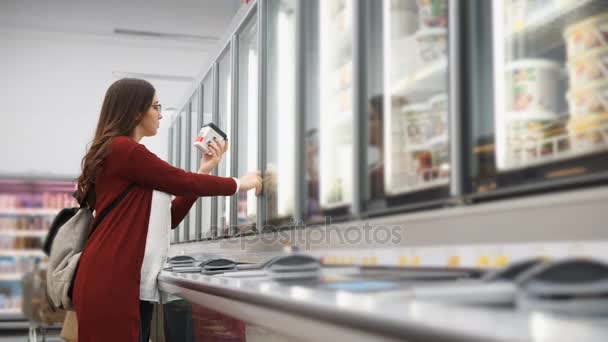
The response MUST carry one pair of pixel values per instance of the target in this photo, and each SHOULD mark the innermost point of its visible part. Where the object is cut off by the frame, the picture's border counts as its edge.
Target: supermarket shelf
(15, 325)
(423, 185)
(335, 205)
(575, 152)
(29, 212)
(11, 314)
(11, 276)
(431, 78)
(23, 233)
(428, 144)
(21, 252)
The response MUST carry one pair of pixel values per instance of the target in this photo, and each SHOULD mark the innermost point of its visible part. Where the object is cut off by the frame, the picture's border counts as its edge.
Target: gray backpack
(65, 241)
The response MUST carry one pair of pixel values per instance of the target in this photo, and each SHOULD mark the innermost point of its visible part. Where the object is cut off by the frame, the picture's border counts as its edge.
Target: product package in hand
(207, 134)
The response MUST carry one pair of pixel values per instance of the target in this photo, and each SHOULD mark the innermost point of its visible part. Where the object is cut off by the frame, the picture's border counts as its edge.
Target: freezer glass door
(279, 186)
(550, 104)
(225, 121)
(247, 118)
(415, 142)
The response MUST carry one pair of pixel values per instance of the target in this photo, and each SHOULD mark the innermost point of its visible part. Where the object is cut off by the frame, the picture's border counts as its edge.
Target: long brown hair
(123, 107)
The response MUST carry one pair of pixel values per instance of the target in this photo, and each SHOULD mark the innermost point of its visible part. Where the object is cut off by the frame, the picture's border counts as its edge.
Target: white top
(157, 245)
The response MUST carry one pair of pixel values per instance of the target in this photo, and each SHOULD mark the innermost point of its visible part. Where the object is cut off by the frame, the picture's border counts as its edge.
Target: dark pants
(145, 320)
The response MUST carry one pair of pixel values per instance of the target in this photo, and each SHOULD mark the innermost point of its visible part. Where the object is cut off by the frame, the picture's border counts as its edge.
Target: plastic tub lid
(587, 87)
(536, 115)
(535, 63)
(588, 54)
(584, 22)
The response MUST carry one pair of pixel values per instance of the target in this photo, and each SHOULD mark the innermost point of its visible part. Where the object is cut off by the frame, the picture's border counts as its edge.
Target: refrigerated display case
(186, 164)
(415, 125)
(194, 216)
(549, 123)
(171, 157)
(203, 205)
(27, 209)
(336, 103)
(225, 123)
(247, 118)
(179, 163)
(280, 116)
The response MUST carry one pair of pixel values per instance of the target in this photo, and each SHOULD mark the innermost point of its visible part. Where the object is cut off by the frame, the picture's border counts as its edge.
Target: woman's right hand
(250, 181)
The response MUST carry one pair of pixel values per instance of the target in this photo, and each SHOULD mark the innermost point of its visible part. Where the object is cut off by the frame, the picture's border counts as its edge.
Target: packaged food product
(433, 13)
(536, 135)
(533, 86)
(439, 108)
(590, 33)
(592, 98)
(207, 134)
(441, 159)
(432, 43)
(588, 130)
(418, 126)
(403, 20)
(588, 67)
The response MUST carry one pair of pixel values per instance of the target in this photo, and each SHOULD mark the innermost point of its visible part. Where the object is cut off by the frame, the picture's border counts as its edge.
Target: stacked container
(587, 50)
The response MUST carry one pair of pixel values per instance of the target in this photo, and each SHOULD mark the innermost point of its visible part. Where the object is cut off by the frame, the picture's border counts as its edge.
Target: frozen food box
(533, 86)
(206, 135)
(590, 33)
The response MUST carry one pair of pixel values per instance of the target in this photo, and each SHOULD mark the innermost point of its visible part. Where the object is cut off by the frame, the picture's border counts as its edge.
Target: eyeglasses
(158, 107)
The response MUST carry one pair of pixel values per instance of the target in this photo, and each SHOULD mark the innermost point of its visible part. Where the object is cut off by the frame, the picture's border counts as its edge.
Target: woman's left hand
(210, 159)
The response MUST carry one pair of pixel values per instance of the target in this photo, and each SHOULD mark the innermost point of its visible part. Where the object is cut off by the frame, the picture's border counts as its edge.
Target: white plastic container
(592, 98)
(433, 13)
(418, 127)
(589, 130)
(432, 43)
(439, 110)
(533, 86)
(588, 67)
(207, 134)
(587, 34)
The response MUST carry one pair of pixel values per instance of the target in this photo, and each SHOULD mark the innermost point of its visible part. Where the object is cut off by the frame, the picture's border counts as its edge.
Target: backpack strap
(107, 210)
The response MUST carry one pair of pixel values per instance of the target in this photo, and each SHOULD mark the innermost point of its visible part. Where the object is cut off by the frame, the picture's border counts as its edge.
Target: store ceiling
(199, 22)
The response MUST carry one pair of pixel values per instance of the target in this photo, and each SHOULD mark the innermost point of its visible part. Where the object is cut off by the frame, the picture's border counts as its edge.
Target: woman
(106, 289)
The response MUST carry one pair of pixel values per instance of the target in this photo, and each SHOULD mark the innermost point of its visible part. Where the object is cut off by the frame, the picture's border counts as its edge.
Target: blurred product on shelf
(588, 67)
(433, 13)
(533, 86)
(587, 34)
(46, 200)
(417, 124)
(432, 43)
(591, 98)
(403, 20)
(533, 136)
(589, 131)
(27, 208)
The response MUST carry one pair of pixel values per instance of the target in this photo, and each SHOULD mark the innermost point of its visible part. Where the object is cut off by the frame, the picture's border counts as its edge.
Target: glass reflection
(415, 126)
(207, 117)
(280, 111)
(248, 121)
(225, 121)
